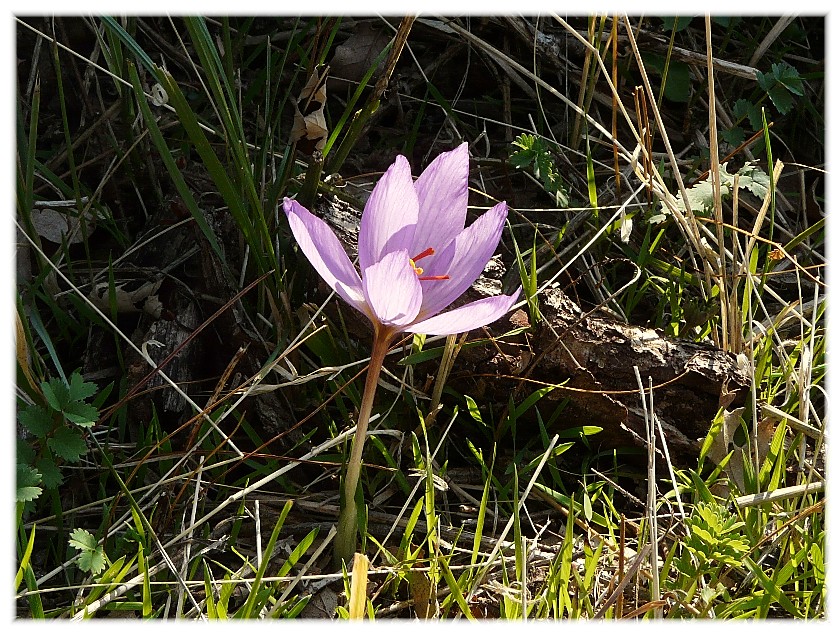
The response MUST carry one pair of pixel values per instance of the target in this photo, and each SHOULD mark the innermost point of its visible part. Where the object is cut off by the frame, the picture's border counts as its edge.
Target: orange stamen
(419, 270)
(423, 254)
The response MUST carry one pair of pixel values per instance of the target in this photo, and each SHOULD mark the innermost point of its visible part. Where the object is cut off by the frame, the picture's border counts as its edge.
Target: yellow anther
(417, 269)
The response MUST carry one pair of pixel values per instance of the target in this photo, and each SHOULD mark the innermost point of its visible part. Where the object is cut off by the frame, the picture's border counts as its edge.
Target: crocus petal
(392, 289)
(324, 251)
(442, 193)
(390, 215)
(468, 317)
(462, 260)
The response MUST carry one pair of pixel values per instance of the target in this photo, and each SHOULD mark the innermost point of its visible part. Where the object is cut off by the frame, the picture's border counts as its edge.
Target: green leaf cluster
(714, 540)
(701, 196)
(91, 557)
(536, 154)
(782, 84)
(676, 76)
(57, 426)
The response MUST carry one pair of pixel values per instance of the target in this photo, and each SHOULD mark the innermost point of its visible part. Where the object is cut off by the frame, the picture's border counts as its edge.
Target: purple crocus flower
(416, 258)
(415, 255)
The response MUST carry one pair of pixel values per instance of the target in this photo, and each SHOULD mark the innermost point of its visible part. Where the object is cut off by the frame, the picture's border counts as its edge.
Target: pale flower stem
(345, 539)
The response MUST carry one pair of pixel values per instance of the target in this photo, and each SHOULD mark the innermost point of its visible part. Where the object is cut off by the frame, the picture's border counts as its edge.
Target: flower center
(419, 270)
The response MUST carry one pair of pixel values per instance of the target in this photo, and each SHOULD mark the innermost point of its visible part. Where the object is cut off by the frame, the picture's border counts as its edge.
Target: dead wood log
(592, 359)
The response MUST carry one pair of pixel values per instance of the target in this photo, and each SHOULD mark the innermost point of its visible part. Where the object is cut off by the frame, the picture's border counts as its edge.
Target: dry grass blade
(778, 495)
(615, 597)
(714, 159)
(358, 587)
(781, 24)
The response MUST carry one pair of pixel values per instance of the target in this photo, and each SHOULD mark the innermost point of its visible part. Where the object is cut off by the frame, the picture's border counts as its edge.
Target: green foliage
(226, 124)
(676, 23)
(69, 399)
(701, 195)
(781, 85)
(538, 155)
(715, 542)
(677, 79)
(67, 443)
(257, 597)
(91, 555)
(28, 480)
(25, 555)
(744, 108)
(57, 426)
(530, 283)
(714, 539)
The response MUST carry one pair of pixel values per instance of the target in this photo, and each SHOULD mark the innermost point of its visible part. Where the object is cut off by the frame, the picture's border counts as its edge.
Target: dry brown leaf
(724, 442)
(53, 226)
(357, 54)
(140, 299)
(322, 605)
(425, 601)
(23, 353)
(309, 129)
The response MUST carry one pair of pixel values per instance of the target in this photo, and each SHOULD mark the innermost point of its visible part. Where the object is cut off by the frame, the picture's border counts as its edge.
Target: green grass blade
(147, 586)
(591, 186)
(455, 589)
(479, 526)
(36, 606)
(130, 43)
(769, 586)
(210, 602)
(165, 154)
(818, 226)
(348, 110)
(248, 608)
(38, 326)
(24, 560)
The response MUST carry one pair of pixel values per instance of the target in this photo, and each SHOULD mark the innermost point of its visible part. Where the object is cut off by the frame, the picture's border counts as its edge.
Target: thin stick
(651, 492)
(714, 167)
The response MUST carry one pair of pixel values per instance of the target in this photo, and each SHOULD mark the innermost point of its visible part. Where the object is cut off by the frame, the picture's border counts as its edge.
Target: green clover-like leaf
(701, 196)
(50, 473)
(524, 156)
(68, 444)
(80, 539)
(28, 480)
(36, 420)
(92, 561)
(535, 152)
(754, 179)
(734, 136)
(677, 23)
(80, 389)
(56, 393)
(27, 494)
(789, 77)
(781, 98)
(744, 108)
(92, 557)
(765, 81)
(83, 414)
(26, 453)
